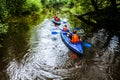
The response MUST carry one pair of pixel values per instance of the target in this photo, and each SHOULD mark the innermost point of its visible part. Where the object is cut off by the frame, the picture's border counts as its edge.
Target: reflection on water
(49, 59)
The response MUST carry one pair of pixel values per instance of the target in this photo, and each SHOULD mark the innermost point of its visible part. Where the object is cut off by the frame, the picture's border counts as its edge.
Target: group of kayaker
(74, 38)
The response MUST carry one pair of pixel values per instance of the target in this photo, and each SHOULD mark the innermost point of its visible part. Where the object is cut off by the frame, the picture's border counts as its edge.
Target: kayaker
(57, 19)
(65, 28)
(75, 38)
(55, 16)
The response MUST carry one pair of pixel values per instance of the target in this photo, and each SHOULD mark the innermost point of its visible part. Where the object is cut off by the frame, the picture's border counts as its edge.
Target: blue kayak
(75, 47)
(56, 22)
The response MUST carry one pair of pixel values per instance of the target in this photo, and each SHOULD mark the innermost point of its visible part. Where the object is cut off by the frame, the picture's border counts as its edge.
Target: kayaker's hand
(80, 39)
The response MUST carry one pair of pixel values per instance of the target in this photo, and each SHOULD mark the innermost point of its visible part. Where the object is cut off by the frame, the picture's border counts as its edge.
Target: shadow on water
(103, 62)
(15, 45)
(17, 41)
(47, 58)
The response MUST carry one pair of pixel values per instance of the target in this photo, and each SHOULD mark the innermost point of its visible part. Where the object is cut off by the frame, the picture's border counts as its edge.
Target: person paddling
(65, 28)
(56, 18)
(75, 38)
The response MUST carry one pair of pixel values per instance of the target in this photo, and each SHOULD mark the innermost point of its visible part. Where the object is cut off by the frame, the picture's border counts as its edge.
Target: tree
(15, 7)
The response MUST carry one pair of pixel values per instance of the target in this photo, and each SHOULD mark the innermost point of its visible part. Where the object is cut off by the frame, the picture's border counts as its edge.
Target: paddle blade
(87, 45)
(53, 32)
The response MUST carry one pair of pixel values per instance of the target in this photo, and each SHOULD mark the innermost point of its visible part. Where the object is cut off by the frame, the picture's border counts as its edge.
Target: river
(49, 59)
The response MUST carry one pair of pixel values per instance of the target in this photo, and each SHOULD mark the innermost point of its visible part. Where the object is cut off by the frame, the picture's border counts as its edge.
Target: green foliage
(3, 28)
(18, 7)
(15, 7)
(19, 16)
(34, 4)
(3, 11)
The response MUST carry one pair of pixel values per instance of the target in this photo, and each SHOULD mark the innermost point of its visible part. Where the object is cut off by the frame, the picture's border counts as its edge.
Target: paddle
(85, 44)
(54, 32)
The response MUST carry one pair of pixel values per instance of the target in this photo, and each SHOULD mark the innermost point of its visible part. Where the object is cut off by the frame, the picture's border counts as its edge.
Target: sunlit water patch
(113, 44)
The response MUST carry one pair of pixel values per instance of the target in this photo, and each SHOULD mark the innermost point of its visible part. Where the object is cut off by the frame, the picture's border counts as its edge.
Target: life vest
(57, 19)
(75, 38)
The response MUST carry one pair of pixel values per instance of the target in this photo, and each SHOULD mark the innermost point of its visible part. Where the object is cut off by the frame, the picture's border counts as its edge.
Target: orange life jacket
(57, 19)
(75, 38)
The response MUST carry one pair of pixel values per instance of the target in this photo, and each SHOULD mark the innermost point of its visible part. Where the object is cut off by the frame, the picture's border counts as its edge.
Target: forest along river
(49, 59)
